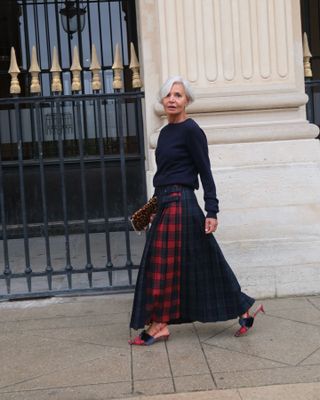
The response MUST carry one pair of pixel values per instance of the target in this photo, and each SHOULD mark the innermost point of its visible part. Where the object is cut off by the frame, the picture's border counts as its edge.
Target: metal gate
(71, 152)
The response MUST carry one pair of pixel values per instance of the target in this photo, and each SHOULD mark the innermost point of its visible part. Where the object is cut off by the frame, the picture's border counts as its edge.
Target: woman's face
(175, 101)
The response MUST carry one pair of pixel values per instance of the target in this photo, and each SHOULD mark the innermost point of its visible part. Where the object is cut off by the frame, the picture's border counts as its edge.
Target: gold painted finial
(14, 71)
(56, 85)
(34, 70)
(134, 66)
(95, 67)
(306, 57)
(117, 68)
(76, 71)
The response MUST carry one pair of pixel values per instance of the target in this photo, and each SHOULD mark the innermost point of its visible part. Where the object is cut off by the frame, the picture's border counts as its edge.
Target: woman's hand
(150, 221)
(152, 218)
(211, 225)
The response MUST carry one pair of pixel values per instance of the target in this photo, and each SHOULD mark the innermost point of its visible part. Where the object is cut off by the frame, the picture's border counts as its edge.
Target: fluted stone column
(244, 60)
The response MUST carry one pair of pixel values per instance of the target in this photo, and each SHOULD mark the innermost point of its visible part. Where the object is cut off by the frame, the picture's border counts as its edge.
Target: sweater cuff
(211, 214)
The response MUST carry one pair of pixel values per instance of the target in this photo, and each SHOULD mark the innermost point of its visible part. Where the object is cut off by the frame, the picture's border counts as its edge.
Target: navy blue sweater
(182, 154)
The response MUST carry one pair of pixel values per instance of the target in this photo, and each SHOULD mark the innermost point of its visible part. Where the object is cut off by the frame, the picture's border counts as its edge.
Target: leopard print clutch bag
(141, 218)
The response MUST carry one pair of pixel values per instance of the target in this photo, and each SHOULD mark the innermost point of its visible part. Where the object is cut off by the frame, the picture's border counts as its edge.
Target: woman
(183, 276)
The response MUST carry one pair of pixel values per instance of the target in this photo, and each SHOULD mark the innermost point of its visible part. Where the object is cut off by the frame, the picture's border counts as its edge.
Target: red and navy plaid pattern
(163, 280)
(183, 275)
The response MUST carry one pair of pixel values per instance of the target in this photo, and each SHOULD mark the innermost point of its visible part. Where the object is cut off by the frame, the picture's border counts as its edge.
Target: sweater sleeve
(198, 148)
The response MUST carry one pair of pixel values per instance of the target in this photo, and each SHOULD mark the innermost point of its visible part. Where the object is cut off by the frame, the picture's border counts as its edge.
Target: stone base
(269, 224)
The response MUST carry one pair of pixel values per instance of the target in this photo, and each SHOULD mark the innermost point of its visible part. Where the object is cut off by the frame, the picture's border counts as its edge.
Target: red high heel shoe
(145, 339)
(246, 321)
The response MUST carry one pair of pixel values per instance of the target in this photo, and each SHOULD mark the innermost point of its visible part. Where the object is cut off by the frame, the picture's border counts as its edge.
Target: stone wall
(246, 66)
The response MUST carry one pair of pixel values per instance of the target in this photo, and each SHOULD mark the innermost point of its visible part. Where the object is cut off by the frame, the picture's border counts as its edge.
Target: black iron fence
(71, 172)
(313, 105)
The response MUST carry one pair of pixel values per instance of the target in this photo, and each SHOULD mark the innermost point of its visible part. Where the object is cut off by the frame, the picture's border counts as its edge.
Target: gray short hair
(166, 87)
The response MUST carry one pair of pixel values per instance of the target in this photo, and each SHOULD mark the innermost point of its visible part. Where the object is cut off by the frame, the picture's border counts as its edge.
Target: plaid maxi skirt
(183, 275)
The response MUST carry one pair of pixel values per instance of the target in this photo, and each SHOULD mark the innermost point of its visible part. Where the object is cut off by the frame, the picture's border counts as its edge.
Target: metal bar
(309, 105)
(119, 125)
(49, 268)
(74, 160)
(28, 270)
(58, 30)
(32, 123)
(101, 48)
(48, 37)
(139, 121)
(7, 270)
(72, 97)
(75, 271)
(72, 292)
(313, 82)
(89, 23)
(61, 2)
(10, 134)
(104, 189)
(26, 32)
(121, 32)
(89, 266)
(36, 26)
(59, 130)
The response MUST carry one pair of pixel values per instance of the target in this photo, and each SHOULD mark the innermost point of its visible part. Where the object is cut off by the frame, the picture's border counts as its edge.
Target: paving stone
(111, 366)
(185, 353)
(223, 360)
(153, 386)
(285, 392)
(64, 322)
(115, 335)
(65, 306)
(306, 314)
(204, 395)
(284, 303)
(264, 377)
(273, 339)
(150, 362)
(25, 357)
(312, 359)
(193, 383)
(315, 300)
(210, 329)
(90, 392)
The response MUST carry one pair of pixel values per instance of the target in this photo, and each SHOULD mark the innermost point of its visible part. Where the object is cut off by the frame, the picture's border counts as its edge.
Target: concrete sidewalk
(76, 348)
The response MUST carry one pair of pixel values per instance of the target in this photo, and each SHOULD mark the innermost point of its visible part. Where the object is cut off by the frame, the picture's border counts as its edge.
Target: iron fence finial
(34, 70)
(56, 85)
(14, 72)
(306, 57)
(135, 67)
(76, 71)
(95, 67)
(117, 68)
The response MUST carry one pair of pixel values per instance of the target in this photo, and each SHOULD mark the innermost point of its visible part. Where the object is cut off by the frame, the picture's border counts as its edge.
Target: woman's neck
(175, 119)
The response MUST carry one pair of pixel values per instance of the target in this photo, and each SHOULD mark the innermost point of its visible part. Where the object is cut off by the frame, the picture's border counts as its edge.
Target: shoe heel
(259, 309)
(247, 321)
(162, 338)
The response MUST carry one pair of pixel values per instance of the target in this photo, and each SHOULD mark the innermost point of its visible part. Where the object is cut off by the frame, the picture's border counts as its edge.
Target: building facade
(245, 61)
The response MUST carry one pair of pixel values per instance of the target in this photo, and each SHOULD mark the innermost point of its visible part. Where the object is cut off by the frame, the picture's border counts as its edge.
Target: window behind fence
(46, 24)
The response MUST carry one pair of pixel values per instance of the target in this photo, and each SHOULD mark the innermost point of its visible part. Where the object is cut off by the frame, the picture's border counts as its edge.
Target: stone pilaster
(241, 56)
